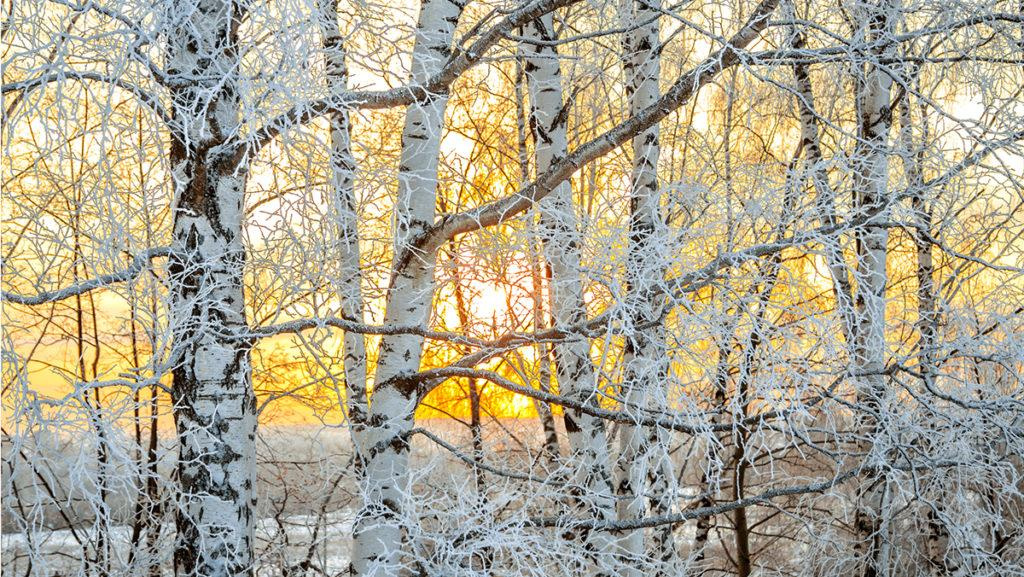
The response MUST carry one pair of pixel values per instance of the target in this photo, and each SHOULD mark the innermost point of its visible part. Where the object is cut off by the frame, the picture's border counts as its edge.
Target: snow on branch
(138, 265)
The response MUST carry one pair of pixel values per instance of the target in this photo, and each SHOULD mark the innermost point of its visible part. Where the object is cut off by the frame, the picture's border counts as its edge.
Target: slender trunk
(825, 194)
(871, 175)
(214, 403)
(475, 422)
(574, 369)
(155, 505)
(377, 532)
(476, 430)
(551, 449)
(644, 458)
(147, 505)
(708, 484)
(342, 179)
(483, 561)
(739, 517)
(927, 325)
(102, 457)
(99, 559)
(142, 520)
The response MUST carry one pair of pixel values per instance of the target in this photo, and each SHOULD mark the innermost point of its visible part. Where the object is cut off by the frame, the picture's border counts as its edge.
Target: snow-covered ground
(297, 474)
(58, 552)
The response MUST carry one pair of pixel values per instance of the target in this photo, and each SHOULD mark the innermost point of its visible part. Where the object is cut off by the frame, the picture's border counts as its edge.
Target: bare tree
(735, 288)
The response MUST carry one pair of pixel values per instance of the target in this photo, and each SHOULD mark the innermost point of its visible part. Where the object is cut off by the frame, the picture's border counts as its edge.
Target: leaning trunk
(377, 532)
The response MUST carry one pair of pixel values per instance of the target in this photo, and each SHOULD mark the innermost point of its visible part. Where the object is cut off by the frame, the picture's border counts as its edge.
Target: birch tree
(377, 533)
(770, 251)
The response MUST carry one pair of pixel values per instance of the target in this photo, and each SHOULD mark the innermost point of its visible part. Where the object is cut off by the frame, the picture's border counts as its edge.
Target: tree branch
(139, 264)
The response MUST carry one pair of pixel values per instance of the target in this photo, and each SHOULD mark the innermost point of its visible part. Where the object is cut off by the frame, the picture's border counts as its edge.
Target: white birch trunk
(214, 404)
(342, 181)
(377, 533)
(810, 142)
(588, 441)
(871, 176)
(643, 458)
(538, 275)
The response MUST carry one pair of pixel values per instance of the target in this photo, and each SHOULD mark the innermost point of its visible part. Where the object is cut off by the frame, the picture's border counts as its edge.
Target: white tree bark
(214, 403)
(342, 183)
(871, 183)
(377, 533)
(538, 278)
(643, 455)
(588, 442)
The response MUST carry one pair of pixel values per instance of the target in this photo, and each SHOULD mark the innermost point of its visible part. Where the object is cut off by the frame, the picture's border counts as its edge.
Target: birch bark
(938, 543)
(538, 276)
(214, 405)
(870, 179)
(377, 532)
(561, 239)
(643, 457)
(342, 183)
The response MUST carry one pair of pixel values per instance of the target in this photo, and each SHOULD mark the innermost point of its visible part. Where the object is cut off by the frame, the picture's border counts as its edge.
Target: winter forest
(517, 288)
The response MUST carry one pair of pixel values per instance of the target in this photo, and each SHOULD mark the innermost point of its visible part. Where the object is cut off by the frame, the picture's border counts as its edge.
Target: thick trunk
(574, 370)
(377, 533)
(871, 175)
(215, 408)
(644, 458)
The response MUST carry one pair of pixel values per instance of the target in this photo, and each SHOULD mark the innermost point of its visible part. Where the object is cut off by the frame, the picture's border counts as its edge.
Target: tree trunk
(644, 458)
(870, 178)
(348, 283)
(215, 408)
(377, 532)
(561, 239)
(538, 276)
(939, 562)
(825, 194)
